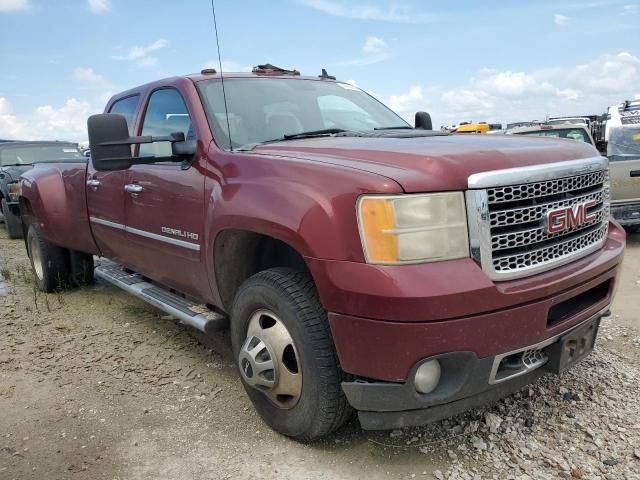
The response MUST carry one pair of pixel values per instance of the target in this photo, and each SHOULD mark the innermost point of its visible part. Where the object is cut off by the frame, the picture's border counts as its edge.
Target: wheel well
(239, 254)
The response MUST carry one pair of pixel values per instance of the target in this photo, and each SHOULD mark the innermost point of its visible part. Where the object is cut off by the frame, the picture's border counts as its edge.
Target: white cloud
(10, 126)
(495, 96)
(141, 54)
(374, 45)
(511, 84)
(13, 5)
(87, 77)
(467, 104)
(375, 50)
(406, 104)
(67, 122)
(395, 13)
(99, 6)
(559, 19)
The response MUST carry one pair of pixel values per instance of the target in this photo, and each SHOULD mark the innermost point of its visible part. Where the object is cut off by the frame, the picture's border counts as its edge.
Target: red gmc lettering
(566, 218)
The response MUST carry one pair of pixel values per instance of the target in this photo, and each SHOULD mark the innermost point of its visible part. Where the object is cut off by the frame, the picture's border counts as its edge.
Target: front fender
(308, 205)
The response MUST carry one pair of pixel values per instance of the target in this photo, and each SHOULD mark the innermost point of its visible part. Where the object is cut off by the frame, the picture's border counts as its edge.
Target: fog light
(427, 376)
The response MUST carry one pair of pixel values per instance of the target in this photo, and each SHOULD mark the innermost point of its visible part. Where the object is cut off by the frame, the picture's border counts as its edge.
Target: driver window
(166, 113)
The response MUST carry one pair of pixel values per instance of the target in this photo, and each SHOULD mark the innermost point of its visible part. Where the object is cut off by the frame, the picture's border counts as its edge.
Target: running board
(188, 312)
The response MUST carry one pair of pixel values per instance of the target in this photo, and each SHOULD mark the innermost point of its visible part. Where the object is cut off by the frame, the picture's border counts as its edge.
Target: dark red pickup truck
(360, 263)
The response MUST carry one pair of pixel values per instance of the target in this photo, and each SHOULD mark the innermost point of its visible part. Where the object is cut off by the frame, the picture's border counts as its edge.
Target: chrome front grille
(508, 216)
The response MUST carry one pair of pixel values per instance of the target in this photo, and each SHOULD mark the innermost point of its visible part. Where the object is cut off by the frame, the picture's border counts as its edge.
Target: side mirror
(103, 130)
(110, 144)
(423, 121)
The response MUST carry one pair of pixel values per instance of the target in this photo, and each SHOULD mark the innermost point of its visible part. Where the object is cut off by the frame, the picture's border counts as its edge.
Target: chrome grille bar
(531, 214)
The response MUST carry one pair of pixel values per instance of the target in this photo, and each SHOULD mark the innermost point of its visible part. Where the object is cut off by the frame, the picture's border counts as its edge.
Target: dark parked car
(15, 159)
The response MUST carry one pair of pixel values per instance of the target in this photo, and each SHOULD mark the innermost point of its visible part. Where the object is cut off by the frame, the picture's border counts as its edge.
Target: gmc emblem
(566, 218)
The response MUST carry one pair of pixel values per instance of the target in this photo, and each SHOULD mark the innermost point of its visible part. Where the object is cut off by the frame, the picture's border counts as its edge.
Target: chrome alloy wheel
(36, 257)
(269, 360)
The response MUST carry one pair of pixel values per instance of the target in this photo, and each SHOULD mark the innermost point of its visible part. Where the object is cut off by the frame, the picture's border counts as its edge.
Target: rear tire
(50, 263)
(81, 268)
(11, 221)
(289, 297)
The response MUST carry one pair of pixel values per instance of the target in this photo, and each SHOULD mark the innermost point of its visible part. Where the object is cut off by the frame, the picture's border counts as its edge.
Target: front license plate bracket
(572, 347)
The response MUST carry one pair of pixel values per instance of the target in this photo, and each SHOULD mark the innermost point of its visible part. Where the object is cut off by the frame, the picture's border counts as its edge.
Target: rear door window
(127, 108)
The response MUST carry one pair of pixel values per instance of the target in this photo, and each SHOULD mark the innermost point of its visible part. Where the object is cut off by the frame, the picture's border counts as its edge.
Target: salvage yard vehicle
(559, 130)
(623, 150)
(359, 263)
(18, 157)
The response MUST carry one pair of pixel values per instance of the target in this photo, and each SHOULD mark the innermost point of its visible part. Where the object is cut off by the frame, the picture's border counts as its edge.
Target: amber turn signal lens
(377, 223)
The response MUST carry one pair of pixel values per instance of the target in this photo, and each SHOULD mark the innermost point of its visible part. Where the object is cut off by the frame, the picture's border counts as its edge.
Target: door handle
(133, 188)
(93, 183)
(634, 173)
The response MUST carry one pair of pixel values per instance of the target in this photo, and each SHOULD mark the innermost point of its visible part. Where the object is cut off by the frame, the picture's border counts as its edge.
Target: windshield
(29, 154)
(624, 143)
(263, 109)
(573, 133)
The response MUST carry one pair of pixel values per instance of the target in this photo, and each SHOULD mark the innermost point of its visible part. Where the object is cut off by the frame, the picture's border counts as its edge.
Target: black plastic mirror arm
(173, 137)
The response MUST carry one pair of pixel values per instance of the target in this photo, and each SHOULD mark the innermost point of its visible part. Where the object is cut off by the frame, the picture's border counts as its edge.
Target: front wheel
(285, 354)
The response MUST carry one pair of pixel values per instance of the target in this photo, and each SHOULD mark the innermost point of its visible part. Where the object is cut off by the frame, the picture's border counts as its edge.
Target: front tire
(11, 221)
(50, 263)
(280, 331)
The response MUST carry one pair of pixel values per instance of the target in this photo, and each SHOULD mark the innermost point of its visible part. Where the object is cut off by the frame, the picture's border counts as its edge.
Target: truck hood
(432, 163)
(12, 174)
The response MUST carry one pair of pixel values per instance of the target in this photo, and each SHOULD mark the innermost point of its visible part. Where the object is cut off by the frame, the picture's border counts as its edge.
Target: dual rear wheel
(56, 268)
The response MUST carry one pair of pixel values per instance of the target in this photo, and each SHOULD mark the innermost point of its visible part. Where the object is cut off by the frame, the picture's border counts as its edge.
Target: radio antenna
(224, 94)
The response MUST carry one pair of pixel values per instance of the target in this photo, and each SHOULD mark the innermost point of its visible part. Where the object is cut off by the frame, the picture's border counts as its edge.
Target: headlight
(15, 190)
(413, 228)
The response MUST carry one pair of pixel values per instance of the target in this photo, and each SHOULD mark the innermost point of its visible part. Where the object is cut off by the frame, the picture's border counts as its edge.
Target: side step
(190, 313)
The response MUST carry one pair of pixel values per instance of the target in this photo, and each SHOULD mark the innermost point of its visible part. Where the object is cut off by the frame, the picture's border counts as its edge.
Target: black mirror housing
(423, 121)
(109, 127)
(110, 144)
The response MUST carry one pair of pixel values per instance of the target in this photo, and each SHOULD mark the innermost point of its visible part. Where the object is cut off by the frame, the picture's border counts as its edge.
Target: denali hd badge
(567, 218)
(179, 233)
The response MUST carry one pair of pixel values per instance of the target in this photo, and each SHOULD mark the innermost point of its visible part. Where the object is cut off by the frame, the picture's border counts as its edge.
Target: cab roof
(198, 77)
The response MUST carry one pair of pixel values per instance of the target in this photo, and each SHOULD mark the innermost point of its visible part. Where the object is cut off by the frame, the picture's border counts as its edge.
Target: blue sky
(466, 60)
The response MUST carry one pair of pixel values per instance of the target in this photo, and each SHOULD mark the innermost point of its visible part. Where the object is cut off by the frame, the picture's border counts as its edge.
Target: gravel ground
(95, 384)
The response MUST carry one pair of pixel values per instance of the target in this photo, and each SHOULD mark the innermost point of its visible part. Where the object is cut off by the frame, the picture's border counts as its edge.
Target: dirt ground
(95, 384)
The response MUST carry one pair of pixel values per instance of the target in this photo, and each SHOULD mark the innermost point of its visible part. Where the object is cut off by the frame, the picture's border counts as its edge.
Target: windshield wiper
(16, 164)
(400, 127)
(291, 136)
(313, 133)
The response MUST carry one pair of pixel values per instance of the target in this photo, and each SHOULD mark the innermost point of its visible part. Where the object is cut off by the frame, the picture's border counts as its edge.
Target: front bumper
(467, 381)
(626, 214)
(385, 319)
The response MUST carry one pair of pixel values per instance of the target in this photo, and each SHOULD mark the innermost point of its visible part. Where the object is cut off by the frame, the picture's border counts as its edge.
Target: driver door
(164, 202)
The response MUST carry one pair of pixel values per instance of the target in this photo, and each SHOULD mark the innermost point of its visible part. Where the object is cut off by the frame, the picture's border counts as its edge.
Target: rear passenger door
(164, 201)
(105, 193)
